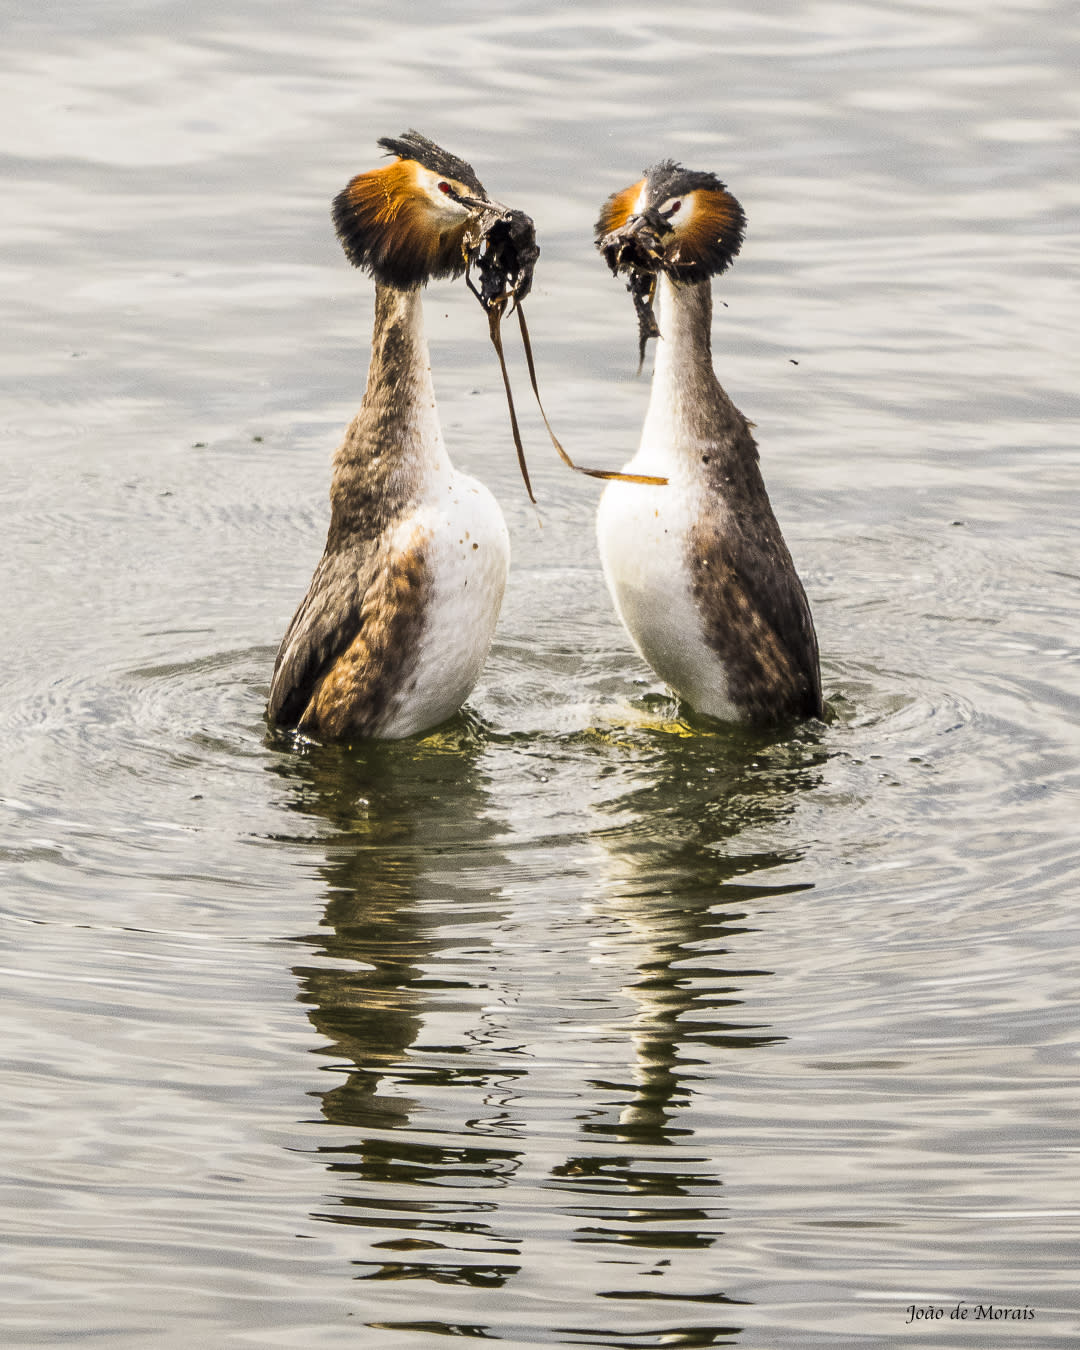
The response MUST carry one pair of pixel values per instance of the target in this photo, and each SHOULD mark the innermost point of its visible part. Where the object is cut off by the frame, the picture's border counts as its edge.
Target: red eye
(445, 187)
(674, 207)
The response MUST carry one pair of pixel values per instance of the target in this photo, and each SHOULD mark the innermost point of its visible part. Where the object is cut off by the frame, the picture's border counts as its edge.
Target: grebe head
(426, 216)
(675, 220)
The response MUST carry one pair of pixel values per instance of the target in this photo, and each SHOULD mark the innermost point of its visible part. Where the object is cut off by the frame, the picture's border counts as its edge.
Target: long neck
(395, 440)
(688, 411)
(398, 414)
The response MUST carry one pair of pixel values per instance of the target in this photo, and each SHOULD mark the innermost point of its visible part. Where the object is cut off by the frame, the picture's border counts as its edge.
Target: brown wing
(757, 618)
(324, 624)
(353, 641)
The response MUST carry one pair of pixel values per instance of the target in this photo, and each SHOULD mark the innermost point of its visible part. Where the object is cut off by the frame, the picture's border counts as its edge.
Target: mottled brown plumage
(754, 611)
(367, 681)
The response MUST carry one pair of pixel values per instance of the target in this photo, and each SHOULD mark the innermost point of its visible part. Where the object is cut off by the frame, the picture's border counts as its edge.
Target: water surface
(576, 1022)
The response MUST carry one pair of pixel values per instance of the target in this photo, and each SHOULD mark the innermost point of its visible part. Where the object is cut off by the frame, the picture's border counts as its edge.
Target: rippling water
(574, 1023)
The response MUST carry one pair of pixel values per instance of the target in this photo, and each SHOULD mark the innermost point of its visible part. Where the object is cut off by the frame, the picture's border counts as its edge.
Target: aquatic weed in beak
(505, 258)
(505, 254)
(635, 249)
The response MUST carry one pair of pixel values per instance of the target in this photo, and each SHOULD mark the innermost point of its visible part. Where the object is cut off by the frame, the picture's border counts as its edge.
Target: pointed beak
(477, 204)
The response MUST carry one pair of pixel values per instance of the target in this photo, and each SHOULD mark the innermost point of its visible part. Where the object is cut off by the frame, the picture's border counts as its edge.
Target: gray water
(574, 1023)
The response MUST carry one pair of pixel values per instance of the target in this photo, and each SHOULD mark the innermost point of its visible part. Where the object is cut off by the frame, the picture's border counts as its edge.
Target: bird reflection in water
(403, 818)
(466, 1153)
(679, 895)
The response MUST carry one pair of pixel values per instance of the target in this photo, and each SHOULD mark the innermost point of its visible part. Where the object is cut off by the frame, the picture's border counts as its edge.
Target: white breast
(468, 556)
(642, 534)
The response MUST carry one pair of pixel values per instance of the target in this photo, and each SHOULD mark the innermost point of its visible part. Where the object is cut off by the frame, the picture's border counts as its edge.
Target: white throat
(683, 376)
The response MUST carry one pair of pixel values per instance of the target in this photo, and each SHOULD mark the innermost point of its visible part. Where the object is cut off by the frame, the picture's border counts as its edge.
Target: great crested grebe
(698, 570)
(396, 624)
